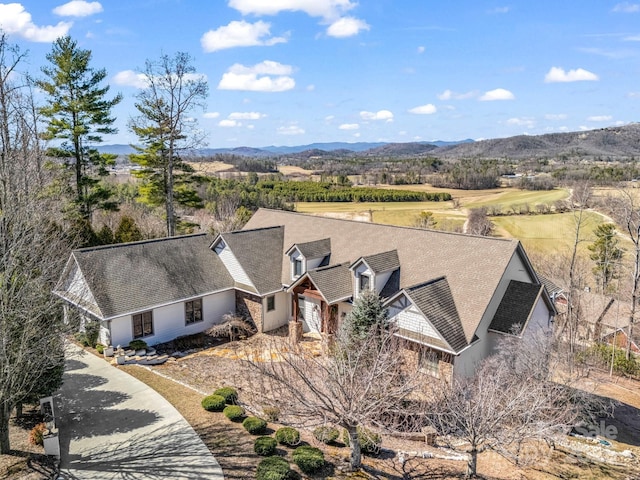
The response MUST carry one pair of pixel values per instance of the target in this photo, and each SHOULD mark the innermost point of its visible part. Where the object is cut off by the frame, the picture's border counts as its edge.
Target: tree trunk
(356, 454)
(5, 413)
(472, 463)
(18, 409)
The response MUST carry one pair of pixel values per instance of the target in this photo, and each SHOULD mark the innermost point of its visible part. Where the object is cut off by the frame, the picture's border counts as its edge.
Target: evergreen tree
(606, 253)
(367, 314)
(165, 128)
(78, 113)
(127, 231)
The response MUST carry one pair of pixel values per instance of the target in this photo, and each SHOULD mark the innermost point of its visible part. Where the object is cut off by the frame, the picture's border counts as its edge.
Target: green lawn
(508, 197)
(547, 233)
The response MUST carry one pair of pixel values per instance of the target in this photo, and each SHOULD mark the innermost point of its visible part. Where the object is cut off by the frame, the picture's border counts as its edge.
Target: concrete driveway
(112, 426)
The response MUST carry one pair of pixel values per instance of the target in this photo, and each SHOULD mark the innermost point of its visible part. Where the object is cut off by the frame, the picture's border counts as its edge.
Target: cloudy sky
(291, 72)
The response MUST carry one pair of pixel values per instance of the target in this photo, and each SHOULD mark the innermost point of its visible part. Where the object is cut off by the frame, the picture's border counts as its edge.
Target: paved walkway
(112, 426)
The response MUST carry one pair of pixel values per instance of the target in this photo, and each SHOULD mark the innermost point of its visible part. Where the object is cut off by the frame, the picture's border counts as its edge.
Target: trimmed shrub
(137, 344)
(326, 434)
(369, 441)
(254, 425)
(273, 468)
(36, 436)
(288, 436)
(272, 414)
(213, 403)
(81, 338)
(309, 459)
(233, 412)
(229, 393)
(100, 348)
(265, 446)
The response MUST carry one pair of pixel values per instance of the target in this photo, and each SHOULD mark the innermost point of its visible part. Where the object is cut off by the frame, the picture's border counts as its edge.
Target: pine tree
(78, 113)
(165, 128)
(606, 253)
(367, 314)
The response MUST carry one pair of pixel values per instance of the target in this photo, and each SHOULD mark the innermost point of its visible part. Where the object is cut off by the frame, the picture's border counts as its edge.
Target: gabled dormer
(372, 272)
(307, 256)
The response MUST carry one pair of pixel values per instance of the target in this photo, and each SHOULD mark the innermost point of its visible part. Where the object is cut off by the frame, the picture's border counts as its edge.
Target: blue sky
(292, 72)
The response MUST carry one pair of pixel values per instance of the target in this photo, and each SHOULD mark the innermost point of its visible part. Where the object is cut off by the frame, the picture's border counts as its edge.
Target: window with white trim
(142, 324)
(193, 311)
(365, 282)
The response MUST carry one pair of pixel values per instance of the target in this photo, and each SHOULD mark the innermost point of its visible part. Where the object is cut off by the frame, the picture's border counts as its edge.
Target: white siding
(78, 288)
(381, 280)
(233, 266)
(412, 320)
(169, 320)
(279, 316)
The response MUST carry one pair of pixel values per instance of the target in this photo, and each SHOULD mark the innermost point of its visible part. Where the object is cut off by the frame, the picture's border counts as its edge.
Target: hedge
(229, 393)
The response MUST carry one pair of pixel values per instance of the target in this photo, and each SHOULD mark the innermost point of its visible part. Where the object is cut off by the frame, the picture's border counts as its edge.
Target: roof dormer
(307, 256)
(372, 272)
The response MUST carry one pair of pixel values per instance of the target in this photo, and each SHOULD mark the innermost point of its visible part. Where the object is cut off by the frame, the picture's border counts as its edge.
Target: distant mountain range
(603, 143)
(341, 148)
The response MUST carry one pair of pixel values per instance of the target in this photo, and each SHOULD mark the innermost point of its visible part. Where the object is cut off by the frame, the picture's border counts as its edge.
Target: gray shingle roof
(315, 249)
(473, 265)
(334, 282)
(551, 287)
(260, 254)
(381, 262)
(515, 307)
(130, 277)
(435, 301)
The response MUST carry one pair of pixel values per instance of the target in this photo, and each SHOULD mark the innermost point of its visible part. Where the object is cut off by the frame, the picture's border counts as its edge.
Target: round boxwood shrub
(254, 425)
(309, 459)
(137, 344)
(288, 436)
(326, 434)
(273, 468)
(233, 412)
(229, 393)
(369, 441)
(265, 446)
(213, 403)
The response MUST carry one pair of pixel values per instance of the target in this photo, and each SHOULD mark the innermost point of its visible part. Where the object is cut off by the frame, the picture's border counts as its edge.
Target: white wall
(169, 320)
(233, 266)
(279, 316)
(412, 320)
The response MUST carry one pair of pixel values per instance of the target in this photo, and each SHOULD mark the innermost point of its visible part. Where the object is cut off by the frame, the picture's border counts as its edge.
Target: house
(454, 294)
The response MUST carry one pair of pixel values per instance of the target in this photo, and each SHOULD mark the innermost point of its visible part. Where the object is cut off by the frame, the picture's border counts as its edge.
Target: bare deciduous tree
(478, 223)
(512, 399)
(32, 254)
(362, 381)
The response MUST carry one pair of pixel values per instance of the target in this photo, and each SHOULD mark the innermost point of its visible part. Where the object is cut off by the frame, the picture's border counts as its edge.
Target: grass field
(543, 233)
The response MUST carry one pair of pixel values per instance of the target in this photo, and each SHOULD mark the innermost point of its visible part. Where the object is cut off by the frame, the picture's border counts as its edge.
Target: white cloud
(600, 118)
(229, 123)
(78, 8)
(346, 27)
(558, 75)
(626, 7)
(328, 118)
(239, 34)
(211, 115)
(267, 76)
(633, 95)
(246, 115)
(427, 109)
(451, 95)
(556, 116)
(522, 122)
(129, 78)
(290, 130)
(310, 88)
(500, 10)
(15, 20)
(379, 115)
(327, 9)
(421, 49)
(357, 135)
(497, 94)
(349, 126)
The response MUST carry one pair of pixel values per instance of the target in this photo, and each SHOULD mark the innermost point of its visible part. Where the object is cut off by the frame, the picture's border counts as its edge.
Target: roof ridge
(402, 227)
(234, 232)
(428, 282)
(327, 267)
(138, 242)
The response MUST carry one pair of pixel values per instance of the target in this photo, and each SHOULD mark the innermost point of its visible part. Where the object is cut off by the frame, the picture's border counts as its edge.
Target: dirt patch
(26, 461)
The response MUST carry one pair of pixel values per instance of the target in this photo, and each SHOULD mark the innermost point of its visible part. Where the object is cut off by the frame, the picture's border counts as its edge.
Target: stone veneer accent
(250, 307)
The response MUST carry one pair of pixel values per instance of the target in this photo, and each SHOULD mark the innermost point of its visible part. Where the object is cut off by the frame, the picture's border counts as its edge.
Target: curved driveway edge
(112, 426)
